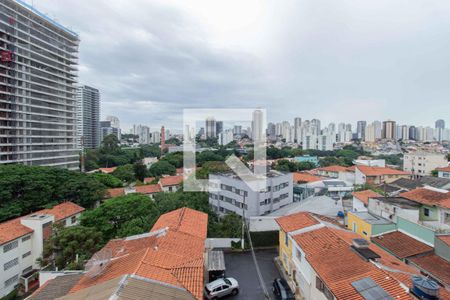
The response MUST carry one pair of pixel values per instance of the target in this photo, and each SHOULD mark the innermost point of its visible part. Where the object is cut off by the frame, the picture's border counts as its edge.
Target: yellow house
(367, 225)
(290, 225)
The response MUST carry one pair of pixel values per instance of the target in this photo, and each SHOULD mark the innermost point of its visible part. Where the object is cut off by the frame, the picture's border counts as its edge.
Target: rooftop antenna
(97, 264)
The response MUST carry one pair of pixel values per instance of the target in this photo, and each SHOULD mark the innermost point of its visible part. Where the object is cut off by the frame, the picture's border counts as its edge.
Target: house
(107, 170)
(171, 183)
(289, 225)
(303, 177)
(22, 241)
(370, 162)
(378, 175)
(168, 260)
(114, 192)
(331, 171)
(435, 209)
(367, 225)
(149, 189)
(326, 266)
(401, 245)
(149, 180)
(334, 188)
(321, 205)
(307, 158)
(444, 172)
(392, 208)
(403, 184)
(361, 199)
(423, 163)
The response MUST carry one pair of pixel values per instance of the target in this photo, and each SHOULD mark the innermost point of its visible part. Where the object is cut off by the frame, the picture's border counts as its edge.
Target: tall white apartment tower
(38, 82)
(88, 116)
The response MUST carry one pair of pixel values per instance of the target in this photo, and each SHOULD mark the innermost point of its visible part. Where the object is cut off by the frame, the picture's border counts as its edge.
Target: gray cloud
(338, 61)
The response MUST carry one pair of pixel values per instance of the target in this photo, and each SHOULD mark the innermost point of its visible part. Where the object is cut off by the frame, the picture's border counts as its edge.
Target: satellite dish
(98, 263)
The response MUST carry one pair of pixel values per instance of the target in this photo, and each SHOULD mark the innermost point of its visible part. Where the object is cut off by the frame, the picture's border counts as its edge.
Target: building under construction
(38, 77)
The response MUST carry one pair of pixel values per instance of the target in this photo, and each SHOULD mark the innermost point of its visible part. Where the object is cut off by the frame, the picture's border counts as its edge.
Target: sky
(338, 61)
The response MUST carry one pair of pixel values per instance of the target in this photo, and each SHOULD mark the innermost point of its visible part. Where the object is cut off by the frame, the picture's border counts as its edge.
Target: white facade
(18, 256)
(88, 119)
(421, 164)
(444, 174)
(38, 89)
(231, 194)
(390, 210)
(225, 137)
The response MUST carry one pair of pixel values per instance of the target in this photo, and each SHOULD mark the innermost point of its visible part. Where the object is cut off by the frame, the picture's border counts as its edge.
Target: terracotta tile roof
(351, 169)
(148, 189)
(173, 256)
(13, 229)
(445, 169)
(364, 196)
(115, 192)
(107, 170)
(171, 180)
(379, 171)
(148, 179)
(401, 245)
(300, 177)
(185, 220)
(339, 266)
(428, 197)
(434, 265)
(333, 169)
(445, 238)
(296, 221)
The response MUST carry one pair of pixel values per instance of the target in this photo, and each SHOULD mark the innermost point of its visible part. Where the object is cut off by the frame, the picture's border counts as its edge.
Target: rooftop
(401, 245)
(445, 169)
(364, 196)
(429, 196)
(380, 171)
(302, 177)
(333, 169)
(56, 287)
(171, 180)
(171, 253)
(115, 192)
(13, 229)
(399, 201)
(434, 265)
(296, 221)
(445, 238)
(369, 218)
(339, 266)
(148, 189)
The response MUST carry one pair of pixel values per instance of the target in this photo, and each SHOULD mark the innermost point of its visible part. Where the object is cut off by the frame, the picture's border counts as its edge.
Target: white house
(360, 200)
(444, 172)
(22, 241)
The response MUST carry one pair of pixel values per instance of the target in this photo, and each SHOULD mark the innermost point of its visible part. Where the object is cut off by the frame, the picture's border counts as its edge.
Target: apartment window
(73, 219)
(26, 254)
(426, 212)
(10, 246)
(26, 238)
(365, 233)
(319, 284)
(11, 280)
(286, 239)
(11, 264)
(26, 270)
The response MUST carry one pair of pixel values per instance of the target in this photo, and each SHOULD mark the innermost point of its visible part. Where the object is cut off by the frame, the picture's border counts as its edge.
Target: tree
(107, 180)
(125, 173)
(208, 156)
(140, 170)
(175, 159)
(66, 243)
(162, 167)
(110, 144)
(151, 150)
(122, 216)
(434, 173)
(24, 189)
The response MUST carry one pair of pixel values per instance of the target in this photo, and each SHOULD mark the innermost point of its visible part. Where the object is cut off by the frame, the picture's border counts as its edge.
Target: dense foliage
(108, 180)
(24, 189)
(162, 167)
(293, 166)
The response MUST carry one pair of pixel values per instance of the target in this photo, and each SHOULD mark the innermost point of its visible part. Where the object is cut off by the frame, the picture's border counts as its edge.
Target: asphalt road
(241, 267)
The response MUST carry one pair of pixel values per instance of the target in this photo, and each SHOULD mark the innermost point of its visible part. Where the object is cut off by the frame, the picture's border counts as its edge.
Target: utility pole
(243, 223)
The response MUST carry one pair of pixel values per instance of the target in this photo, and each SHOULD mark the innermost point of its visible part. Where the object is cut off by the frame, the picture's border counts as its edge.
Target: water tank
(360, 243)
(425, 288)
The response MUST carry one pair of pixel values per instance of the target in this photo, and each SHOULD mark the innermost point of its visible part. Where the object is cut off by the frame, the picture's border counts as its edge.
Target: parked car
(221, 287)
(281, 290)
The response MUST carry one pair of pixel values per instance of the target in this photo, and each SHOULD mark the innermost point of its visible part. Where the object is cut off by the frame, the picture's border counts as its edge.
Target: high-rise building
(106, 129)
(143, 132)
(115, 122)
(225, 137)
(210, 128)
(361, 130)
(88, 117)
(412, 133)
(38, 63)
(297, 129)
(440, 124)
(237, 129)
(219, 127)
(257, 126)
(389, 130)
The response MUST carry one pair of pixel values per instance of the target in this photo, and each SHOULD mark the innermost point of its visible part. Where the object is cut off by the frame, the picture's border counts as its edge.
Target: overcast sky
(343, 60)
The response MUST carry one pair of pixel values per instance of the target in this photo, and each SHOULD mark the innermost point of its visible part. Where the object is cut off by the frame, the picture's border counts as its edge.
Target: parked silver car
(220, 288)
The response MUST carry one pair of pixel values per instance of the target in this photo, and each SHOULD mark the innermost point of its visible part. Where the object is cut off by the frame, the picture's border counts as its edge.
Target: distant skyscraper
(115, 122)
(389, 130)
(106, 129)
(412, 133)
(361, 130)
(315, 123)
(297, 128)
(88, 117)
(440, 124)
(143, 132)
(210, 128)
(237, 129)
(38, 63)
(257, 126)
(219, 127)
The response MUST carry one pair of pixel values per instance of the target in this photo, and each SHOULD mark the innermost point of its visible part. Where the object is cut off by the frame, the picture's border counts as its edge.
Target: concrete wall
(433, 213)
(442, 249)
(358, 205)
(421, 233)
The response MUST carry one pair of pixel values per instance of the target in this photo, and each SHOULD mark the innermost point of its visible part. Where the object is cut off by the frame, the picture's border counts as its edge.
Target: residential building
(439, 124)
(155, 137)
(107, 128)
(171, 183)
(361, 130)
(115, 122)
(22, 241)
(444, 172)
(307, 158)
(38, 63)
(210, 125)
(360, 200)
(143, 132)
(330, 171)
(392, 208)
(389, 130)
(423, 163)
(149, 189)
(370, 162)
(258, 133)
(88, 117)
(367, 224)
(229, 193)
(225, 137)
(378, 175)
(169, 257)
(219, 127)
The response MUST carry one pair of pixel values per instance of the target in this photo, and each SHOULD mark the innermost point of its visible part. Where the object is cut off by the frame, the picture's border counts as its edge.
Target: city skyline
(149, 79)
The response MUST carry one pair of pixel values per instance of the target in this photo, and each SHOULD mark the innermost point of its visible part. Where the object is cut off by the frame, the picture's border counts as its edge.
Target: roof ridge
(142, 261)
